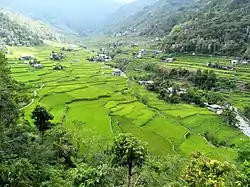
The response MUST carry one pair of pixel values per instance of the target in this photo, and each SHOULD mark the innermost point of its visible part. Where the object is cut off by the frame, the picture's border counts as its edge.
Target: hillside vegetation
(205, 26)
(16, 29)
(153, 20)
(128, 10)
(213, 27)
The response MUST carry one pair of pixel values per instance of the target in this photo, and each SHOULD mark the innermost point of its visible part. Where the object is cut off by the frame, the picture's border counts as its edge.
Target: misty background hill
(128, 10)
(75, 16)
(153, 19)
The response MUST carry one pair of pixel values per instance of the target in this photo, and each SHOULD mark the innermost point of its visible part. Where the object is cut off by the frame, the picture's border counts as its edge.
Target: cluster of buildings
(243, 62)
(37, 66)
(179, 91)
(57, 56)
(218, 66)
(167, 59)
(117, 72)
(26, 57)
(140, 53)
(215, 108)
(100, 58)
(145, 83)
(32, 61)
(70, 47)
(227, 67)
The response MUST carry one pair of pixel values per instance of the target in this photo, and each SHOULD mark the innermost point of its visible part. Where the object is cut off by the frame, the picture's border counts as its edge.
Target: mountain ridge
(129, 9)
(150, 17)
(17, 29)
(200, 26)
(215, 27)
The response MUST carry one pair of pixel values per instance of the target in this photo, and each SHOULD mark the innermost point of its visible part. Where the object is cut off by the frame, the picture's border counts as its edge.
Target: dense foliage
(8, 95)
(204, 172)
(205, 26)
(152, 20)
(247, 111)
(128, 151)
(213, 27)
(58, 158)
(42, 119)
(229, 117)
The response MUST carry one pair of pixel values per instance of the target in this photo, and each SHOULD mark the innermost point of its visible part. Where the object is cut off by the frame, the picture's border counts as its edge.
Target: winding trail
(32, 101)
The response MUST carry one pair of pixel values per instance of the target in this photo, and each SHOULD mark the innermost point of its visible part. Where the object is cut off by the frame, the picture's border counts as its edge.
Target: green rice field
(87, 92)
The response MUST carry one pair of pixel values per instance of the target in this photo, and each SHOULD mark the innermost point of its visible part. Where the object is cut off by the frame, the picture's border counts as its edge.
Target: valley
(115, 93)
(87, 93)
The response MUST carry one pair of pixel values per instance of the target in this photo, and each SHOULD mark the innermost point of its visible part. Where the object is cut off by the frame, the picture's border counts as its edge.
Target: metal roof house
(117, 72)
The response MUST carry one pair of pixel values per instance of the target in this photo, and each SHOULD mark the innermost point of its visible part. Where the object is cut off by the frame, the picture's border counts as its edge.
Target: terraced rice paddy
(105, 105)
(241, 75)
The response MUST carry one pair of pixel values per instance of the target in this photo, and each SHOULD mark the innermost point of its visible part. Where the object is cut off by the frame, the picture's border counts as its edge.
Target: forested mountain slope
(214, 27)
(154, 19)
(16, 29)
(205, 26)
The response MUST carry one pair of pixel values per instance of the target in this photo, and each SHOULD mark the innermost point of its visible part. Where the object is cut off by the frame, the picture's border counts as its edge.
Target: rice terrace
(125, 93)
(88, 94)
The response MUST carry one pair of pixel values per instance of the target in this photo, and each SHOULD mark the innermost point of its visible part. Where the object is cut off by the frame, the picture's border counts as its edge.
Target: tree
(18, 172)
(247, 111)
(214, 97)
(161, 171)
(42, 118)
(63, 144)
(174, 99)
(205, 172)
(128, 151)
(8, 94)
(144, 99)
(87, 176)
(247, 53)
(229, 116)
(247, 85)
(245, 173)
(205, 80)
(58, 177)
(244, 154)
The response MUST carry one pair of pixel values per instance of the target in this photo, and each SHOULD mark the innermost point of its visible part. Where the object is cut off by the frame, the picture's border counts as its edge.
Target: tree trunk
(129, 174)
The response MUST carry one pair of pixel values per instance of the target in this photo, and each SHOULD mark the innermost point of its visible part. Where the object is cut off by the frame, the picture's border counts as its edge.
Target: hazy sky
(67, 6)
(83, 12)
(63, 2)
